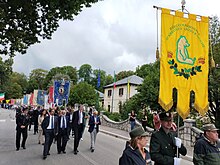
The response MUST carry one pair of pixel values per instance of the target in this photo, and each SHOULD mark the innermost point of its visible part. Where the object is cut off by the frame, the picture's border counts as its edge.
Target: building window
(121, 91)
(109, 108)
(109, 93)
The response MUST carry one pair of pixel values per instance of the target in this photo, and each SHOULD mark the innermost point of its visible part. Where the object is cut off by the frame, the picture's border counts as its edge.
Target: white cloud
(111, 35)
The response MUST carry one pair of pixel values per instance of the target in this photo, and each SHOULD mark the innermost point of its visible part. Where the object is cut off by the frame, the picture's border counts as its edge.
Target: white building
(124, 89)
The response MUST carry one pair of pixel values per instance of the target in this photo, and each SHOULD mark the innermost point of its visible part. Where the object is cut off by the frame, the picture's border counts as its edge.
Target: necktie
(63, 124)
(52, 123)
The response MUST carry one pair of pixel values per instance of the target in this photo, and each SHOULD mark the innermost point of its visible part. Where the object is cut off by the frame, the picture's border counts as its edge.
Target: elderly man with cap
(207, 147)
(135, 152)
(164, 143)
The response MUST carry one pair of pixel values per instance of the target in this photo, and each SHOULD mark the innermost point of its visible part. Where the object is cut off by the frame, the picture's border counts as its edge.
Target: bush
(113, 116)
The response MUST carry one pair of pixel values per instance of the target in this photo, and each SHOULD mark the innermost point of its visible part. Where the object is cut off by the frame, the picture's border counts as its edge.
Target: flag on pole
(31, 99)
(2, 96)
(184, 61)
(114, 80)
(40, 97)
(128, 88)
(99, 80)
(50, 97)
(61, 92)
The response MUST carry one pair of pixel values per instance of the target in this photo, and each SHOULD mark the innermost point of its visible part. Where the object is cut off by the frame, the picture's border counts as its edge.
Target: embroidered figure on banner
(182, 54)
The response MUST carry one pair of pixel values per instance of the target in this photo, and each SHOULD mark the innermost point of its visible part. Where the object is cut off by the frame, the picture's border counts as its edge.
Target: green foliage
(113, 116)
(123, 74)
(23, 23)
(13, 90)
(83, 93)
(21, 79)
(85, 72)
(36, 80)
(149, 90)
(66, 72)
(5, 72)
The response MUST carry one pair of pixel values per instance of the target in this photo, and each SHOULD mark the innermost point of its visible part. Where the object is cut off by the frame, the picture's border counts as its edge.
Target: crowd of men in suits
(56, 124)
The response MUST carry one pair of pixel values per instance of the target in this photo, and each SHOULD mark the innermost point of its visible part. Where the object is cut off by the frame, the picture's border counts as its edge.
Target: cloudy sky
(113, 35)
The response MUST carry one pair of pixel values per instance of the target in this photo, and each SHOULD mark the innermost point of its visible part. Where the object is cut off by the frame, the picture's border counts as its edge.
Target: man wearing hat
(207, 147)
(164, 143)
(135, 152)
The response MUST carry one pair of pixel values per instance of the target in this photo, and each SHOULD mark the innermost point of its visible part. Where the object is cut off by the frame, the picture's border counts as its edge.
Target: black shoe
(92, 150)
(58, 152)
(75, 152)
(64, 152)
(48, 153)
(17, 149)
(24, 147)
(42, 143)
(44, 157)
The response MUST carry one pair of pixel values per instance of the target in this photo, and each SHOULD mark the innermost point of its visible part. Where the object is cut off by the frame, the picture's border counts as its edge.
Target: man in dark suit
(77, 124)
(63, 131)
(164, 143)
(94, 122)
(22, 121)
(50, 130)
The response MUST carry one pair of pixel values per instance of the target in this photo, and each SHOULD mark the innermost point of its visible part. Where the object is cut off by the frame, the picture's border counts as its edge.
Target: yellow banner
(184, 61)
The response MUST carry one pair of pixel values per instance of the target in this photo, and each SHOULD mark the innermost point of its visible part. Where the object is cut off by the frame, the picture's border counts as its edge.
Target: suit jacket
(75, 118)
(67, 122)
(92, 123)
(22, 120)
(46, 122)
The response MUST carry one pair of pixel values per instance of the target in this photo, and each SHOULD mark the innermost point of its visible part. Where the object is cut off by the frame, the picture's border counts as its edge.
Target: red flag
(50, 99)
(31, 99)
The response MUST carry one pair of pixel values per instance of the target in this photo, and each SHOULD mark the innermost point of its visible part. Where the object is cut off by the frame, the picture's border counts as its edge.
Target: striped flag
(2, 96)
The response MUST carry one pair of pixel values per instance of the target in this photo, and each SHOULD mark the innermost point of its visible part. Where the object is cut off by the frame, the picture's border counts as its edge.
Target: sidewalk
(125, 135)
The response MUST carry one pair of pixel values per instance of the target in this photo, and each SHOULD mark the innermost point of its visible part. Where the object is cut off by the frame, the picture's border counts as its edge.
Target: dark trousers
(49, 136)
(18, 137)
(62, 139)
(35, 126)
(78, 129)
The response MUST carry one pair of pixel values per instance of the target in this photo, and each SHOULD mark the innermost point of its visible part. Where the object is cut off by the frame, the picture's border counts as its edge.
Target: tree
(123, 74)
(13, 91)
(149, 90)
(36, 80)
(83, 93)
(66, 71)
(5, 72)
(85, 72)
(23, 22)
(214, 74)
(21, 79)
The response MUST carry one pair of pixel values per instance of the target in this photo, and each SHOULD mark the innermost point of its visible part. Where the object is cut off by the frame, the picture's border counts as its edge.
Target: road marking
(2, 120)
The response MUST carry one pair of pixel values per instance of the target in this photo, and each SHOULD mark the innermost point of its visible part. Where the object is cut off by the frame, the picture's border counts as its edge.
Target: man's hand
(178, 142)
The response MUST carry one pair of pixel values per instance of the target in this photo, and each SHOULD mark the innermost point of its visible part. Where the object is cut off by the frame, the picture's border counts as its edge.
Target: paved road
(107, 152)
